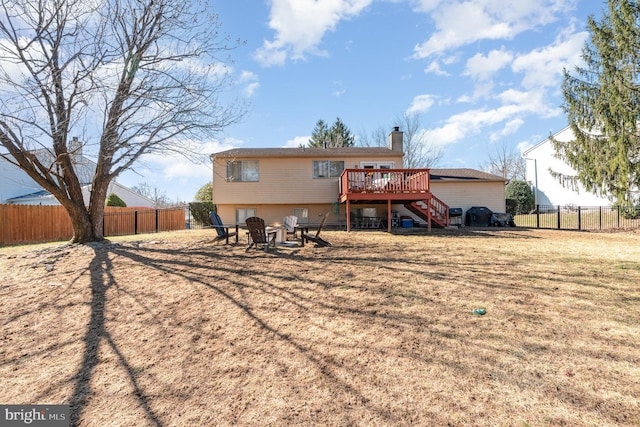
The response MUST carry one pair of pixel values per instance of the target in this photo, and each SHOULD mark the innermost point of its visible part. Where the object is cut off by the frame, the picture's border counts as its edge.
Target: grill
(455, 216)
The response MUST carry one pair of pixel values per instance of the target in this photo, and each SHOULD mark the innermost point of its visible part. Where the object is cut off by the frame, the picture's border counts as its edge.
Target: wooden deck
(410, 187)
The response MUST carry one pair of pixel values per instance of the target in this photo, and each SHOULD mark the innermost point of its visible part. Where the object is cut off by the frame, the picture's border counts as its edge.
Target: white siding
(540, 160)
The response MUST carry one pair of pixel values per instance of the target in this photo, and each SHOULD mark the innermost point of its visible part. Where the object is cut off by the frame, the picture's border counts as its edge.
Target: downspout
(535, 177)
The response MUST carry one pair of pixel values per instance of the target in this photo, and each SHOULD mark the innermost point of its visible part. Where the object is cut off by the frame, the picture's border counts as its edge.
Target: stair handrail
(440, 208)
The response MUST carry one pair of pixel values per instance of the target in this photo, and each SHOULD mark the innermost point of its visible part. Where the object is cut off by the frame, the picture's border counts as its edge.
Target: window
(376, 165)
(243, 171)
(327, 168)
(302, 214)
(243, 213)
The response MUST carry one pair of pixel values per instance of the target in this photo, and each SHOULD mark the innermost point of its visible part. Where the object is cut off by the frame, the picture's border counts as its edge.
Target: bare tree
(506, 162)
(418, 153)
(151, 191)
(375, 138)
(133, 77)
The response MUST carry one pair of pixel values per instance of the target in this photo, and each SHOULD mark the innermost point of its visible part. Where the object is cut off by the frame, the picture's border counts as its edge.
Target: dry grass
(376, 330)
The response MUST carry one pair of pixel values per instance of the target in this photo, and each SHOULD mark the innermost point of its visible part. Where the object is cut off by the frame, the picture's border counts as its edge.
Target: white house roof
(564, 135)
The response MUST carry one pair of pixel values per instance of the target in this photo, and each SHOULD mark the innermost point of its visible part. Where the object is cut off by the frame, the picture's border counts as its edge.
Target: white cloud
(300, 26)
(250, 82)
(514, 106)
(421, 103)
(543, 67)
(461, 22)
(297, 142)
(484, 67)
(509, 128)
(470, 122)
(434, 68)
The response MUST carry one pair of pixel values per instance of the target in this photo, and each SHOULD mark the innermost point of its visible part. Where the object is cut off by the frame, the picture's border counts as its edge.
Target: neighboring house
(365, 181)
(16, 187)
(541, 161)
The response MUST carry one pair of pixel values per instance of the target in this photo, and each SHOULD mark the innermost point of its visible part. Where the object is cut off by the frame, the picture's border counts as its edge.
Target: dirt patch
(174, 330)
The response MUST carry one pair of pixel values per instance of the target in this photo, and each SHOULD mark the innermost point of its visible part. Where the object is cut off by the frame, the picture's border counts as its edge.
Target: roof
(36, 195)
(556, 135)
(339, 152)
(443, 175)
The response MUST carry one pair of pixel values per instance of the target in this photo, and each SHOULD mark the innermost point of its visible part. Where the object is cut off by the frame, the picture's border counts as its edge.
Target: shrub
(200, 212)
(114, 200)
(522, 196)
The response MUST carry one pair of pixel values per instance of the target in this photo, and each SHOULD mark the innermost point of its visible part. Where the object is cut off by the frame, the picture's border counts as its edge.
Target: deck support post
(429, 214)
(389, 215)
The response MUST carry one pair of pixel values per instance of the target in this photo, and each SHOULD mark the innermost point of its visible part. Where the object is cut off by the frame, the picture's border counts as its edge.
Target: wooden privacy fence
(36, 223)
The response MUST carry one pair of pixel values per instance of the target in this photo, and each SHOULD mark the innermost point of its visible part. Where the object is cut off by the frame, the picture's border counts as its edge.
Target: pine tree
(320, 135)
(338, 135)
(115, 200)
(602, 101)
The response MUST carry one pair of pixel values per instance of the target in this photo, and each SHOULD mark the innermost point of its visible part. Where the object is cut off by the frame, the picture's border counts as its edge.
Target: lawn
(379, 329)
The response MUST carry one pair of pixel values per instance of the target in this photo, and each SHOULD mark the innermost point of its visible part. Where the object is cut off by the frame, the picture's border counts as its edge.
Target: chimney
(395, 140)
(75, 148)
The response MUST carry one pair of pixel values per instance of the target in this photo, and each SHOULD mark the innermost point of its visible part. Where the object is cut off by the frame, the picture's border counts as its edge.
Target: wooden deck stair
(439, 211)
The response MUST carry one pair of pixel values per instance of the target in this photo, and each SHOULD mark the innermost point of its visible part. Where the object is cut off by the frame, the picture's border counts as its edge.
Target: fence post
(537, 216)
(600, 218)
(618, 216)
(558, 217)
(579, 219)
(156, 220)
(135, 222)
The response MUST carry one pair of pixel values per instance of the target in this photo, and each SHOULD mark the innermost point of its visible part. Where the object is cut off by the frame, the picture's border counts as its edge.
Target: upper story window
(243, 171)
(327, 168)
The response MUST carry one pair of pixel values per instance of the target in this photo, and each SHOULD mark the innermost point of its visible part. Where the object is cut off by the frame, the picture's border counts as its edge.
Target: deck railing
(384, 181)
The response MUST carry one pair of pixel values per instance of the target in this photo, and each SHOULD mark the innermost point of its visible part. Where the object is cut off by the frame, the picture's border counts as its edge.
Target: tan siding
(275, 213)
(282, 181)
(468, 194)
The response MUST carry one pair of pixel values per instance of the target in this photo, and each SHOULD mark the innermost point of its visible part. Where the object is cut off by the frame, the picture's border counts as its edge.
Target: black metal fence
(581, 217)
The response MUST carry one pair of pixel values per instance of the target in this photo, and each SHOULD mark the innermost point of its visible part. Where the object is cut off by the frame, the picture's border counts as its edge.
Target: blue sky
(481, 73)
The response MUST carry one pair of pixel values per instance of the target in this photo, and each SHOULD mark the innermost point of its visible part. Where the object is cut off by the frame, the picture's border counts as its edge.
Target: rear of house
(275, 182)
(306, 182)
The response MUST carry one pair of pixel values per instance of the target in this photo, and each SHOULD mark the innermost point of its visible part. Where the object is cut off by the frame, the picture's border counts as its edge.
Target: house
(541, 165)
(367, 182)
(16, 187)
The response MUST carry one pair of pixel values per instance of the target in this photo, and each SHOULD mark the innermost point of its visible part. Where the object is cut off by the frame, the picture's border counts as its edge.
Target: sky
(482, 75)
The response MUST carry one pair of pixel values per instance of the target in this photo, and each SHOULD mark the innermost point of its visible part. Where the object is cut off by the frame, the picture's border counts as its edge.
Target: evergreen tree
(522, 196)
(320, 134)
(338, 135)
(114, 200)
(602, 101)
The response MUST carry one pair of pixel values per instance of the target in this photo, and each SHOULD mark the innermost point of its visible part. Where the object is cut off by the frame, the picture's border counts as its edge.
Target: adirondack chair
(290, 223)
(319, 241)
(258, 235)
(223, 230)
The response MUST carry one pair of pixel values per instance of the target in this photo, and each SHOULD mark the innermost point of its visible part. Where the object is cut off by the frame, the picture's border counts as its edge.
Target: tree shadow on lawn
(215, 269)
(101, 281)
(200, 266)
(191, 271)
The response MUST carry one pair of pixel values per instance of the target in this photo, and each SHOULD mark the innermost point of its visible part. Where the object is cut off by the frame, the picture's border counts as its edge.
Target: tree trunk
(84, 229)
